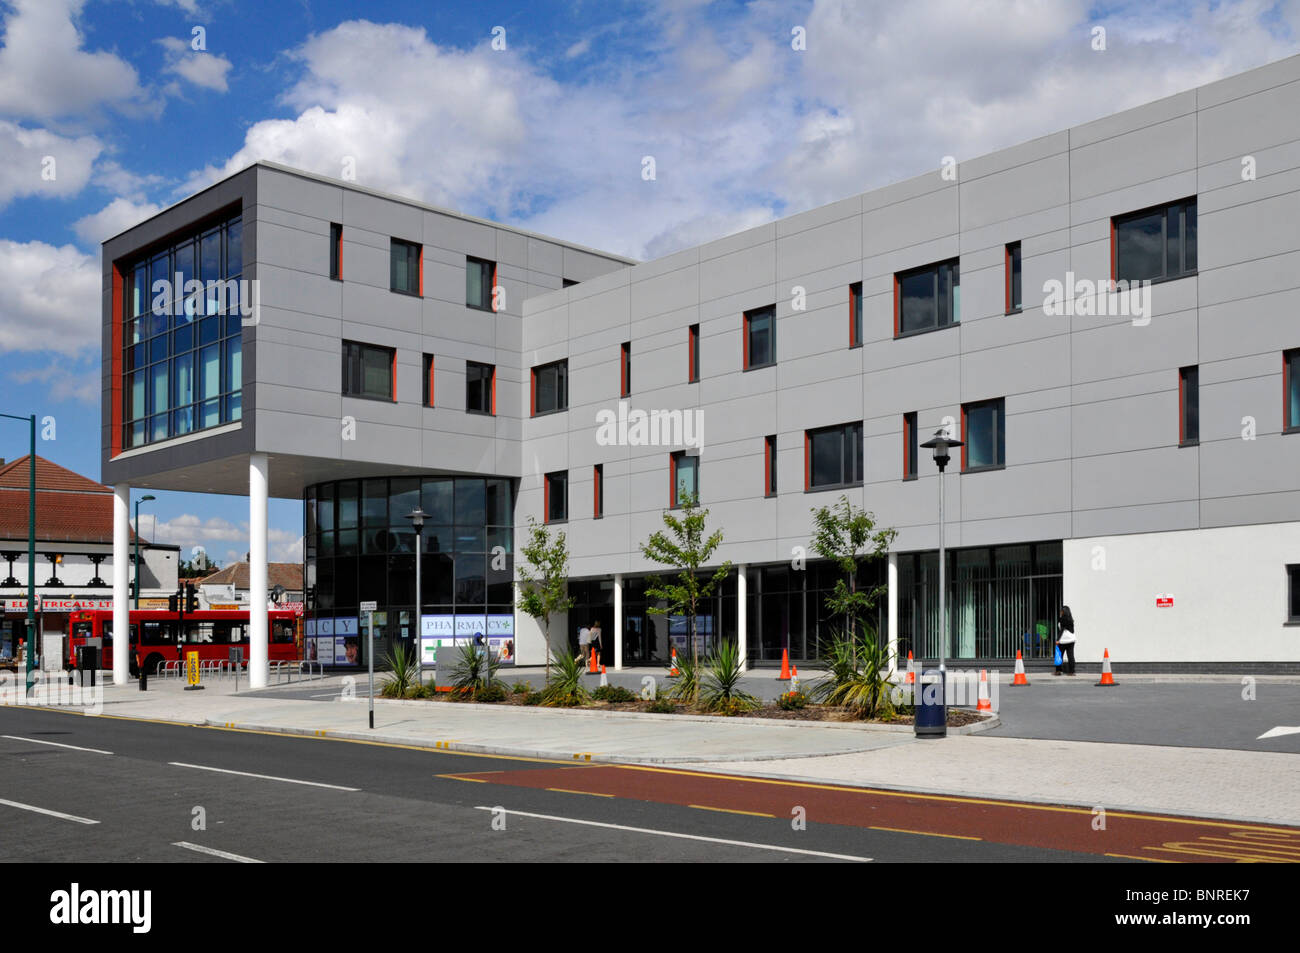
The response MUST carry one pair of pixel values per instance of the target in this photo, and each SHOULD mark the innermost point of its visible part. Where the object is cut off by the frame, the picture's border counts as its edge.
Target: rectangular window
(405, 267)
(625, 369)
(855, 314)
(909, 446)
(1154, 244)
(833, 456)
(693, 354)
(480, 276)
(480, 388)
(760, 337)
(557, 496)
(1291, 391)
(927, 298)
(1293, 593)
(550, 388)
(1189, 406)
(1013, 277)
(683, 477)
(368, 370)
(983, 430)
(336, 251)
(428, 380)
(598, 490)
(769, 465)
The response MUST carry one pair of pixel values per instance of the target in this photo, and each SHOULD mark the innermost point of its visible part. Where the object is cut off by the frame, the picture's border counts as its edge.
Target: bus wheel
(152, 663)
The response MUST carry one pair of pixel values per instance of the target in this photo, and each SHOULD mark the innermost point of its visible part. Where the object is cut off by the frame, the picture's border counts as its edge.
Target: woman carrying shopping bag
(1065, 642)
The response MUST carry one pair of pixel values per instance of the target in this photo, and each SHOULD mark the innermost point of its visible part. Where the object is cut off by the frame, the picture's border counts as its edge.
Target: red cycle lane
(1127, 834)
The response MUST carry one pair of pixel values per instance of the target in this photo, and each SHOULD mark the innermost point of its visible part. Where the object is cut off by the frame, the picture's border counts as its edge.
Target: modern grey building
(401, 355)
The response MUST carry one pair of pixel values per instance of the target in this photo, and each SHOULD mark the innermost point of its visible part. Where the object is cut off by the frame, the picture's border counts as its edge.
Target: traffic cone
(594, 667)
(911, 669)
(984, 703)
(785, 666)
(1020, 678)
(603, 680)
(673, 673)
(1106, 677)
(794, 679)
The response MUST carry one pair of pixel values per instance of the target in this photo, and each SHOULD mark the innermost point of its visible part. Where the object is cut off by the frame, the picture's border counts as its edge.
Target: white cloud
(62, 380)
(219, 536)
(197, 66)
(117, 216)
(39, 162)
(49, 298)
(45, 73)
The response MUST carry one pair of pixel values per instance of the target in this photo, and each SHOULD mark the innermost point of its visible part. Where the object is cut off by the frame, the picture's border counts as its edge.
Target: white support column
(257, 619)
(742, 617)
(618, 621)
(121, 582)
(893, 610)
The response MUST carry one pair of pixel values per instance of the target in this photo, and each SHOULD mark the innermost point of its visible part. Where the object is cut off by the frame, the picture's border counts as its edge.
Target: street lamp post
(940, 443)
(143, 499)
(416, 517)
(31, 549)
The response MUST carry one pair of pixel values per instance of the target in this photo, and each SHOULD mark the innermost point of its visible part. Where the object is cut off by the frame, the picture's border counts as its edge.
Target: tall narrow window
(336, 251)
(833, 456)
(855, 314)
(983, 429)
(428, 380)
(550, 388)
(927, 298)
(1189, 406)
(405, 267)
(1291, 391)
(598, 490)
(693, 353)
(1293, 593)
(683, 477)
(909, 446)
(625, 369)
(368, 370)
(480, 388)
(1154, 244)
(556, 496)
(769, 465)
(1013, 277)
(759, 342)
(480, 276)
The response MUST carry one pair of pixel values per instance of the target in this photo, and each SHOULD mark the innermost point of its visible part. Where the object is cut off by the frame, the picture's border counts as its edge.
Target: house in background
(228, 588)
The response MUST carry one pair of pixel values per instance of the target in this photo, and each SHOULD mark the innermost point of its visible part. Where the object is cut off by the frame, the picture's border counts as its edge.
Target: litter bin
(931, 708)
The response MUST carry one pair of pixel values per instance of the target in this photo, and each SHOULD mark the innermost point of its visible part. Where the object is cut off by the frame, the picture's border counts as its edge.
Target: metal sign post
(237, 659)
(369, 609)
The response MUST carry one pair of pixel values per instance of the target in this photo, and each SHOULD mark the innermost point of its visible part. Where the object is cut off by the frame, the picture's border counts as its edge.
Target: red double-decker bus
(159, 636)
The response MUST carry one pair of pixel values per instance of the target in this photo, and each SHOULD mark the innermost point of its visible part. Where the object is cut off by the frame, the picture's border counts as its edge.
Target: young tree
(685, 548)
(847, 536)
(544, 579)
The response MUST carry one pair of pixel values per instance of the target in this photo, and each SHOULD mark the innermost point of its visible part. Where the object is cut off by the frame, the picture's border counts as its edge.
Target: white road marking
(711, 840)
(38, 741)
(264, 777)
(41, 810)
(1279, 731)
(212, 851)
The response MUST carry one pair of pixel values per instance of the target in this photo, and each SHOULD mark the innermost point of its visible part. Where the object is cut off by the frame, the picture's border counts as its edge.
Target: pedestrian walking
(1065, 641)
(595, 640)
(584, 644)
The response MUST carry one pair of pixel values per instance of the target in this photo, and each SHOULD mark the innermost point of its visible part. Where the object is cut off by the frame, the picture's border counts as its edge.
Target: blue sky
(547, 133)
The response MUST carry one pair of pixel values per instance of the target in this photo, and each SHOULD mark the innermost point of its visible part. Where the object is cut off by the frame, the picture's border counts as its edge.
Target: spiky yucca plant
(720, 687)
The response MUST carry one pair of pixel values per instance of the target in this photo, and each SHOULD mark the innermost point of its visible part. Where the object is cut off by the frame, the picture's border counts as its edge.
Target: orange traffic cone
(603, 679)
(911, 669)
(1020, 678)
(785, 666)
(984, 703)
(794, 679)
(672, 672)
(1106, 677)
(594, 667)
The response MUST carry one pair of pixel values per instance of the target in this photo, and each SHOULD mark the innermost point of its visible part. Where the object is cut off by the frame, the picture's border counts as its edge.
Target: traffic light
(172, 601)
(191, 598)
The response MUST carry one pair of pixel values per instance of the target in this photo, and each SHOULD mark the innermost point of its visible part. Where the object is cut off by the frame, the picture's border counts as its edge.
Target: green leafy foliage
(847, 536)
(857, 674)
(565, 688)
(493, 693)
(533, 698)
(612, 693)
(521, 688)
(720, 689)
(685, 547)
(792, 701)
(663, 705)
(403, 672)
(685, 687)
(543, 579)
(475, 671)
